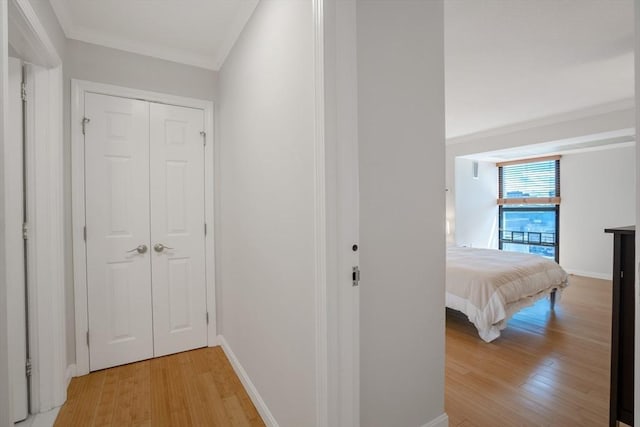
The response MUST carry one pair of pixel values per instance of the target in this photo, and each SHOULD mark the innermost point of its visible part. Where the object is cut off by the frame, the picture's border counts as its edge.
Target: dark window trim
(501, 231)
(531, 207)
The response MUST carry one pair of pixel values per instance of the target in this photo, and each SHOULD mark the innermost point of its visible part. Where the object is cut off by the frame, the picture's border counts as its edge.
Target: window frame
(529, 204)
(555, 245)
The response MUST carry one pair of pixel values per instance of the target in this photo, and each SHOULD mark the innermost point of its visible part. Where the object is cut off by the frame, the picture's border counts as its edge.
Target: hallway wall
(265, 242)
(402, 212)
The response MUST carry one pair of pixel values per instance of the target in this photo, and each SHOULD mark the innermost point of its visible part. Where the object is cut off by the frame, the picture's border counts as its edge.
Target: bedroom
(568, 91)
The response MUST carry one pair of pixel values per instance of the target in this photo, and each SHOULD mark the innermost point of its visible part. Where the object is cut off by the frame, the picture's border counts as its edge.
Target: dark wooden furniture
(622, 325)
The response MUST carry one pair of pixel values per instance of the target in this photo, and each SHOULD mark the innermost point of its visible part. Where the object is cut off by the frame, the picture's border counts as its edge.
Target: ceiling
(193, 32)
(506, 61)
(514, 61)
(595, 142)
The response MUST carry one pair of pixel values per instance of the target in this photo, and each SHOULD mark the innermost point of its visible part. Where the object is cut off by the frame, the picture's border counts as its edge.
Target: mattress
(490, 286)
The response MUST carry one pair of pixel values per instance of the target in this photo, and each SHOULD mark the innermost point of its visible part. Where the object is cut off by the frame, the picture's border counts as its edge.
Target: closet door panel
(177, 228)
(118, 234)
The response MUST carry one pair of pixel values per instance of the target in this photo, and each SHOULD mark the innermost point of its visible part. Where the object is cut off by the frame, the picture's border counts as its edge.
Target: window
(529, 200)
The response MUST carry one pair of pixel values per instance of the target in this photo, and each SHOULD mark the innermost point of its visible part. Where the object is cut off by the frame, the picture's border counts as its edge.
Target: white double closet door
(145, 235)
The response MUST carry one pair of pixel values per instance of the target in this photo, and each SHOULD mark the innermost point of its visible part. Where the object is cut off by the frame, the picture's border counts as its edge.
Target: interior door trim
(78, 90)
(23, 30)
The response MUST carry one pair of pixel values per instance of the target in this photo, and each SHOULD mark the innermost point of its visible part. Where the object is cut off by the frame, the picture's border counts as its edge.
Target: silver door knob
(159, 247)
(141, 249)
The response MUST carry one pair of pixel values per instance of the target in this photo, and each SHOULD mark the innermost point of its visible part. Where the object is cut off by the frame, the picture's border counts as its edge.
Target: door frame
(636, 363)
(337, 212)
(14, 220)
(44, 168)
(78, 90)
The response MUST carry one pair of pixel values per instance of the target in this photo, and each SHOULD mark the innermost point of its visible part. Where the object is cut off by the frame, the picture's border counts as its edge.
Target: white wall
(593, 121)
(87, 61)
(12, 52)
(6, 417)
(476, 222)
(598, 191)
(101, 64)
(265, 241)
(402, 221)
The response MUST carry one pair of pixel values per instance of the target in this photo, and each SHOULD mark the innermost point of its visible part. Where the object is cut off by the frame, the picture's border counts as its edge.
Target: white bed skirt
(495, 315)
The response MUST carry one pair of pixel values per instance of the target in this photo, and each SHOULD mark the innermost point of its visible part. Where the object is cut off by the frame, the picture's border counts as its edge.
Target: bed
(490, 286)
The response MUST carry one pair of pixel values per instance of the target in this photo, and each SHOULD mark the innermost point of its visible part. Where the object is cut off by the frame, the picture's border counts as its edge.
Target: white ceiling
(513, 61)
(595, 142)
(506, 61)
(194, 32)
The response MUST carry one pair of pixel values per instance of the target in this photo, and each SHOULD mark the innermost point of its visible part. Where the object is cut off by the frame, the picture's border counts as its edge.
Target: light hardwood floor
(549, 368)
(195, 388)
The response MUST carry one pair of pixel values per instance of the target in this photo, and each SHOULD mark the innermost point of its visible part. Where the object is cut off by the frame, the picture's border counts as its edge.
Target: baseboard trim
(215, 342)
(591, 274)
(70, 373)
(441, 421)
(43, 419)
(257, 400)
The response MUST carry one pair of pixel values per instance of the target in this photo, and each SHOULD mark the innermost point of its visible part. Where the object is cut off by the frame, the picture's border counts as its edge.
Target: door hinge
(355, 276)
(84, 233)
(23, 91)
(87, 338)
(25, 231)
(207, 317)
(621, 274)
(205, 228)
(204, 137)
(85, 120)
(28, 367)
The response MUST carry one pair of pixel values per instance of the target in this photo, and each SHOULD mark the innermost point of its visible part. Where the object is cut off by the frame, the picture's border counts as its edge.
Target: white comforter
(489, 286)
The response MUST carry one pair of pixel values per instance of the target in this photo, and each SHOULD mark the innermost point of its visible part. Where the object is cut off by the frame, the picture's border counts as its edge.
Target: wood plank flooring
(195, 388)
(549, 368)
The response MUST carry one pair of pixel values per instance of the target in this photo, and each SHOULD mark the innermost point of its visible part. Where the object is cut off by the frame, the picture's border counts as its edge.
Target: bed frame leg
(552, 299)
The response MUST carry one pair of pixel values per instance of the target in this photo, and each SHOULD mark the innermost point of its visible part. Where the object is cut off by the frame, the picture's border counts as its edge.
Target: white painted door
(14, 217)
(117, 239)
(145, 216)
(177, 229)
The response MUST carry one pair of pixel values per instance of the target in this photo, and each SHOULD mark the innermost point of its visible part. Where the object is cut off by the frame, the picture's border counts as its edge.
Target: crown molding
(61, 10)
(620, 105)
(236, 26)
(556, 152)
(88, 35)
(146, 49)
(28, 37)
